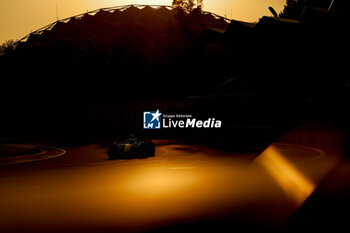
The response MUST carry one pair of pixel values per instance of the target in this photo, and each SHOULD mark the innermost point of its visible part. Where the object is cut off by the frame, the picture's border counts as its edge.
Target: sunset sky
(19, 17)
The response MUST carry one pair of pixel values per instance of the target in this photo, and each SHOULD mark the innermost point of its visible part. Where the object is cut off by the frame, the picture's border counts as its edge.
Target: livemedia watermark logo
(157, 120)
(152, 120)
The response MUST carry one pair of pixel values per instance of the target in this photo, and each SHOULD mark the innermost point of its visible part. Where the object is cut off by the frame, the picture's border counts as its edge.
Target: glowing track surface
(82, 191)
(19, 153)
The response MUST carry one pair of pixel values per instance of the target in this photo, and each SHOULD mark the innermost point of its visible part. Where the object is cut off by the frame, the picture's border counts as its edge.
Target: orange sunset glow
(164, 116)
(18, 17)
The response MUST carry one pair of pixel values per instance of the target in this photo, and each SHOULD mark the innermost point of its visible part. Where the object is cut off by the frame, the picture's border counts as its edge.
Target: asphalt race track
(16, 154)
(83, 191)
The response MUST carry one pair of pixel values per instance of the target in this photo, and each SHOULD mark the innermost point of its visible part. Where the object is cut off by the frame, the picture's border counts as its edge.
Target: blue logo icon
(151, 120)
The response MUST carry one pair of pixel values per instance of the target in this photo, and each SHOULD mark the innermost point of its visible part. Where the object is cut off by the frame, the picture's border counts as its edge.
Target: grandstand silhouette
(97, 72)
(136, 49)
(122, 15)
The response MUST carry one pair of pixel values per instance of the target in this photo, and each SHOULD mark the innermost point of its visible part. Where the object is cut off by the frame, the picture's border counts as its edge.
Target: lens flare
(297, 186)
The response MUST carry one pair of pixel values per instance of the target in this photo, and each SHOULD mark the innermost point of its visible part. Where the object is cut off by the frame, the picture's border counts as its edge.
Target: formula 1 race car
(131, 148)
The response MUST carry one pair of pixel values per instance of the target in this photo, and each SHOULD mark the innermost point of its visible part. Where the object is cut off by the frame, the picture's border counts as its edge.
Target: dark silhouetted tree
(6, 47)
(188, 13)
(293, 9)
(188, 5)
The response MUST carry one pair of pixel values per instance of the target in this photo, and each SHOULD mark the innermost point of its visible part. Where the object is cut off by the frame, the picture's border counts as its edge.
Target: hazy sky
(20, 17)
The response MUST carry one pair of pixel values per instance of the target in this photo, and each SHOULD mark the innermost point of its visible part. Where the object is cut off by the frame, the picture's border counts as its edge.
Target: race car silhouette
(131, 148)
